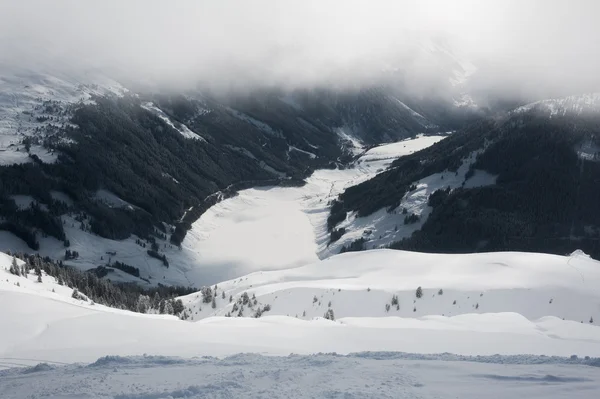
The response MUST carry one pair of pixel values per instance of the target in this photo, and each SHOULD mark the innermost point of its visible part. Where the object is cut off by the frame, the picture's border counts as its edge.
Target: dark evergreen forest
(546, 197)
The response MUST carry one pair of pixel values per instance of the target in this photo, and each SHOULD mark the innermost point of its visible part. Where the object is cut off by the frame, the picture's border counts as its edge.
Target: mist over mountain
(532, 49)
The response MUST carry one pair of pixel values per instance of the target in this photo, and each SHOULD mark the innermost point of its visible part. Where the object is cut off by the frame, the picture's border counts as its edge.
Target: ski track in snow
(383, 375)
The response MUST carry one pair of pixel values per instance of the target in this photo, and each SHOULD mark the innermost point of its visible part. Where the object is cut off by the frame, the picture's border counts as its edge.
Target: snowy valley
(257, 200)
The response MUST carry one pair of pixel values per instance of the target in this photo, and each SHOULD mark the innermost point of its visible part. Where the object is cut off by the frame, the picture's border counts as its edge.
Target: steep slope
(524, 182)
(258, 229)
(89, 155)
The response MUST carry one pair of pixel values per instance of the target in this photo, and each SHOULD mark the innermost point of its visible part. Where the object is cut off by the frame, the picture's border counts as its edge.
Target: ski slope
(523, 338)
(42, 323)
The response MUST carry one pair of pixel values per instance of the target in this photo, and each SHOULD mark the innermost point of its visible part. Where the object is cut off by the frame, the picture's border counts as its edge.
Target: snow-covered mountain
(75, 151)
(521, 181)
(570, 105)
(223, 243)
(507, 303)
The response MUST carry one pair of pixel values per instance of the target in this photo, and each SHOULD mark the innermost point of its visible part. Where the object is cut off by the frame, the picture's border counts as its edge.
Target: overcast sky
(552, 43)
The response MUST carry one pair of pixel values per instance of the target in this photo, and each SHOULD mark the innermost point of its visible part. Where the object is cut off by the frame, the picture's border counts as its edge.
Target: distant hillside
(529, 182)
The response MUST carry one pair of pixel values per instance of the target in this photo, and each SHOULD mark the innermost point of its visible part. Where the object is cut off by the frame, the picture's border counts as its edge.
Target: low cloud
(530, 47)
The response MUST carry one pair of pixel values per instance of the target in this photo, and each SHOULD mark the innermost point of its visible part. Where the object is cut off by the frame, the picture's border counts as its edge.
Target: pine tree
(213, 304)
(329, 315)
(169, 307)
(14, 268)
(178, 306)
(39, 279)
(419, 292)
(223, 295)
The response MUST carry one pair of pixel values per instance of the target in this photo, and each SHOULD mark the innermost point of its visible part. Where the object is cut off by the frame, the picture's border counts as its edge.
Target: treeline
(545, 198)
(123, 148)
(128, 296)
(387, 189)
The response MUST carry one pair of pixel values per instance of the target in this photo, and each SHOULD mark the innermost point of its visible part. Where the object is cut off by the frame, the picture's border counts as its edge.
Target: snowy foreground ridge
(506, 304)
(363, 375)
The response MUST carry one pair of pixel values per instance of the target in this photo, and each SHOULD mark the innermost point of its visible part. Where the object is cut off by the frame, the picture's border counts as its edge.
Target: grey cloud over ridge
(529, 45)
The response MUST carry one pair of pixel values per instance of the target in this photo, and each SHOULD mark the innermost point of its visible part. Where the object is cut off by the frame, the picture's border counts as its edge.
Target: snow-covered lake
(279, 227)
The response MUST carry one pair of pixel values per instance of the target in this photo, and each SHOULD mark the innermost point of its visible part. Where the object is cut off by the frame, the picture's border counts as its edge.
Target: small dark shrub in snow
(454, 303)
(415, 309)
(387, 307)
(477, 306)
(329, 304)
(178, 306)
(394, 300)
(441, 292)
(14, 269)
(315, 299)
(245, 298)
(329, 314)
(213, 304)
(591, 320)
(223, 295)
(207, 295)
(412, 218)
(419, 292)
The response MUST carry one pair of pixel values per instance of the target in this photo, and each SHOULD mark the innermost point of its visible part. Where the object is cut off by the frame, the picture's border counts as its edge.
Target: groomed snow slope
(41, 326)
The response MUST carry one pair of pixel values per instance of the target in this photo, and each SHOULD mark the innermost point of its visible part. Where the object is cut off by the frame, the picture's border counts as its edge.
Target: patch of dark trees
(103, 291)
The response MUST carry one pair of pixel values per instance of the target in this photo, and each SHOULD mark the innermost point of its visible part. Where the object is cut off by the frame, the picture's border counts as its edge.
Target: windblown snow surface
(47, 330)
